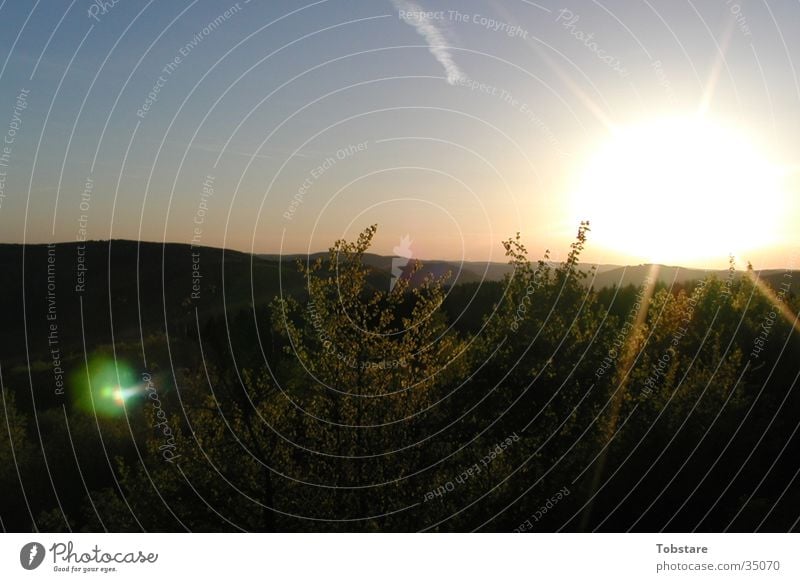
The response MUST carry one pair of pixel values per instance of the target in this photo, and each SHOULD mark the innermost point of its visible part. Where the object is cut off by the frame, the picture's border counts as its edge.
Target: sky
(282, 126)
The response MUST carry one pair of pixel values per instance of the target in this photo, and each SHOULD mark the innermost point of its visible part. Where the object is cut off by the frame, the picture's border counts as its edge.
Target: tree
(15, 459)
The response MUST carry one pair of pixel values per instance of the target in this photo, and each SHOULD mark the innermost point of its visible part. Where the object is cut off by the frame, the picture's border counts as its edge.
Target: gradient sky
(261, 100)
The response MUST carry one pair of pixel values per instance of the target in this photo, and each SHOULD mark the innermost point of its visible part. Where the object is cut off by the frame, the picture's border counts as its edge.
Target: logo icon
(403, 254)
(31, 555)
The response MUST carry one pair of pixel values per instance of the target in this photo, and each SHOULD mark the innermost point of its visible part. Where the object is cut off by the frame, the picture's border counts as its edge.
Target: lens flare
(104, 387)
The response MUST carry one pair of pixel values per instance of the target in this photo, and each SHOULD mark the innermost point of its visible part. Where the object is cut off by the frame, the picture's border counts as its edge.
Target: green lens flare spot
(104, 387)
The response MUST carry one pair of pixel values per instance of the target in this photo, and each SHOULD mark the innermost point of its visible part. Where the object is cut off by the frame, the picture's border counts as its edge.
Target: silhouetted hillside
(128, 367)
(118, 291)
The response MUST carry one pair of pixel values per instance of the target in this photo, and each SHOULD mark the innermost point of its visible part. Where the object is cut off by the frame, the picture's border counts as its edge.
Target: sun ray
(596, 110)
(716, 69)
(781, 307)
(629, 354)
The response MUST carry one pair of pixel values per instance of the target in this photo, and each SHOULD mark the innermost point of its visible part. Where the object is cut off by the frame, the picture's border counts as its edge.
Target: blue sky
(315, 120)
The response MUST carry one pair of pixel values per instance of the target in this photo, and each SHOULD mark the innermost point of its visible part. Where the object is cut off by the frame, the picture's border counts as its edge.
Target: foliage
(352, 407)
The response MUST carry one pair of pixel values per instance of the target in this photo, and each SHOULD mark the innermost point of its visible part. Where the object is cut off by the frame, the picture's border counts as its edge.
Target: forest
(318, 398)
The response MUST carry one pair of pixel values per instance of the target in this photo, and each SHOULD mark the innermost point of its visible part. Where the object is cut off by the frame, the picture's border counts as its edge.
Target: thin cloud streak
(437, 43)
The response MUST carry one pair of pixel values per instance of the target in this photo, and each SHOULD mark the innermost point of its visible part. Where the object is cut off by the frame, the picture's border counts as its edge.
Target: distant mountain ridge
(606, 275)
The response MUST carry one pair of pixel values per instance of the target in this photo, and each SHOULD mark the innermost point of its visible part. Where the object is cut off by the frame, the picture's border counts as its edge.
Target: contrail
(437, 43)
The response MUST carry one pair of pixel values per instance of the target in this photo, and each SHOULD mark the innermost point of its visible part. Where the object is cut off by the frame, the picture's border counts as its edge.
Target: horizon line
(296, 254)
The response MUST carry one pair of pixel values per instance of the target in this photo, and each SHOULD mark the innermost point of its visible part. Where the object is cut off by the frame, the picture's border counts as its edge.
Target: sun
(680, 190)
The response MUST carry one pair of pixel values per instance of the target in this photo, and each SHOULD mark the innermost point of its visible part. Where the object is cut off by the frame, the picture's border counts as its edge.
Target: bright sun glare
(680, 190)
